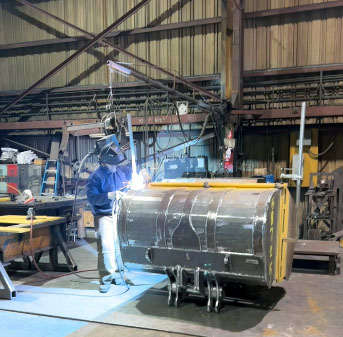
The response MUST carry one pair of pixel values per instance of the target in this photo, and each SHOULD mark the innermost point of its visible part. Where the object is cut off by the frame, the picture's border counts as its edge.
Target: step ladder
(50, 180)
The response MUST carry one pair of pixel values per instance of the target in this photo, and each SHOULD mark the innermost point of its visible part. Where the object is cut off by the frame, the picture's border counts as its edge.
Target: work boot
(105, 284)
(104, 288)
(119, 278)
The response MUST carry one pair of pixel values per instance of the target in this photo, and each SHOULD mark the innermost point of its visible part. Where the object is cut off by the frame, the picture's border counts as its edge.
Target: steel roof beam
(88, 35)
(128, 32)
(93, 41)
(75, 125)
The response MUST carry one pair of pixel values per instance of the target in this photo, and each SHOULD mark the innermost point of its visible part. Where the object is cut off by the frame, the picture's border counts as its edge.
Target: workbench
(43, 205)
(318, 256)
(15, 243)
(48, 205)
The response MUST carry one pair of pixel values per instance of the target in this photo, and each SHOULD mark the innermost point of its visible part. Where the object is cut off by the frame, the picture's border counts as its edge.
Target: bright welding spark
(137, 182)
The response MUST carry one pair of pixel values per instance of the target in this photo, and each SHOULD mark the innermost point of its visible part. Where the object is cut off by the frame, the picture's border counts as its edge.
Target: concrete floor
(306, 305)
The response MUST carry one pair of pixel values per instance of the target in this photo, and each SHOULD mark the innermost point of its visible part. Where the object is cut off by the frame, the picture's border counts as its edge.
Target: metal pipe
(300, 163)
(77, 53)
(199, 104)
(122, 50)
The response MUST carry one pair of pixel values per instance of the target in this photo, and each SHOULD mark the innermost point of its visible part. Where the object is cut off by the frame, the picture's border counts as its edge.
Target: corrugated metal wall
(292, 40)
(188, 51)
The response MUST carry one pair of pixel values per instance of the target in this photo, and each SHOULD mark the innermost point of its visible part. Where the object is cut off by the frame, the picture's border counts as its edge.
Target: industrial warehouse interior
(171, 168)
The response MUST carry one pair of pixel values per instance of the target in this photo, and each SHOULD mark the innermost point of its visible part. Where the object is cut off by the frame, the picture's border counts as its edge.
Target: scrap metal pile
(323, 215)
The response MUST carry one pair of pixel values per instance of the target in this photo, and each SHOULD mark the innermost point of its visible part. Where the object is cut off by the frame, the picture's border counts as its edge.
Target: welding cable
(204, 126)
(29, 200)
(187, 138)
(71, 227)
(166, 147)
(44, 274)
(321, 154)
(120, 264)
(15, 189)
(202, 129)
(116, 244)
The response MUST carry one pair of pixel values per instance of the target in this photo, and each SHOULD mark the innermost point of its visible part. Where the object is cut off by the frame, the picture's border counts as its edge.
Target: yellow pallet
(22, 219)
(15, 230)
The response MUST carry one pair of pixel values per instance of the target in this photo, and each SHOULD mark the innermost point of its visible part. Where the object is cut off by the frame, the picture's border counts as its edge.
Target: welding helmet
(111, 154)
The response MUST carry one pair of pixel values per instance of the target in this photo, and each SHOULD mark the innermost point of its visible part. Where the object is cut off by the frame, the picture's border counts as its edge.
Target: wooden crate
(39, 162)
(88, 219)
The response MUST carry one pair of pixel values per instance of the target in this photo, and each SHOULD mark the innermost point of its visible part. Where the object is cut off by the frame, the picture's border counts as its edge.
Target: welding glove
(119, 195)
(112, 195)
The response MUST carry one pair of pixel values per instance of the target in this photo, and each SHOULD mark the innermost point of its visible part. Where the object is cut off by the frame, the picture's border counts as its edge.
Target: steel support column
(78, 53)
(226, 49)
(122, 50)
(238, 55)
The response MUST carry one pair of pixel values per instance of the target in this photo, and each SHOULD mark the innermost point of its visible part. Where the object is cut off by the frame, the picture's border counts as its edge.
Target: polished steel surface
(231, 232)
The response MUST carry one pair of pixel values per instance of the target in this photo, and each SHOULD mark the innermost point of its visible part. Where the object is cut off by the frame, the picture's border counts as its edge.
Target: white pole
(133, 150)
(300, 164)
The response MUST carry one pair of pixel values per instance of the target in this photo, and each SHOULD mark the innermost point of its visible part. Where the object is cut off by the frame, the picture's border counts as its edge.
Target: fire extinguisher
(229, 153)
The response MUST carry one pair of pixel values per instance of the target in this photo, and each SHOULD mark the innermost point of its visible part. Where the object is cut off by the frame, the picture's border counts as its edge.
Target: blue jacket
(102, 181)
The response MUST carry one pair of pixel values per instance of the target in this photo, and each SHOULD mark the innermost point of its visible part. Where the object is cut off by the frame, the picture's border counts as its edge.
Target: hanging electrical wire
(155, 132)
(322, 153)
(46, 276)
(111, 105)
(187, 138)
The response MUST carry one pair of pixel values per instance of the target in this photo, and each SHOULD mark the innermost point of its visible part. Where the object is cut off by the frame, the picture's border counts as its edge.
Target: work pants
(107, 265)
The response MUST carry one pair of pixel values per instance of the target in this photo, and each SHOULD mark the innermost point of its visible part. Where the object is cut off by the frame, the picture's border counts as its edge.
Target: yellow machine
(207, 234)
(310, 156)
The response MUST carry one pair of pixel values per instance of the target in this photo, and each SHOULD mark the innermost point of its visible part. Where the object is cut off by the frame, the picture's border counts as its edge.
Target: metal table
(15, 243)
(43, 205)
(315, 255)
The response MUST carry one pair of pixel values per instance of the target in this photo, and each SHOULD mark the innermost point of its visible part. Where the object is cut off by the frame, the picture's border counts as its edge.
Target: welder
(103, 186)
